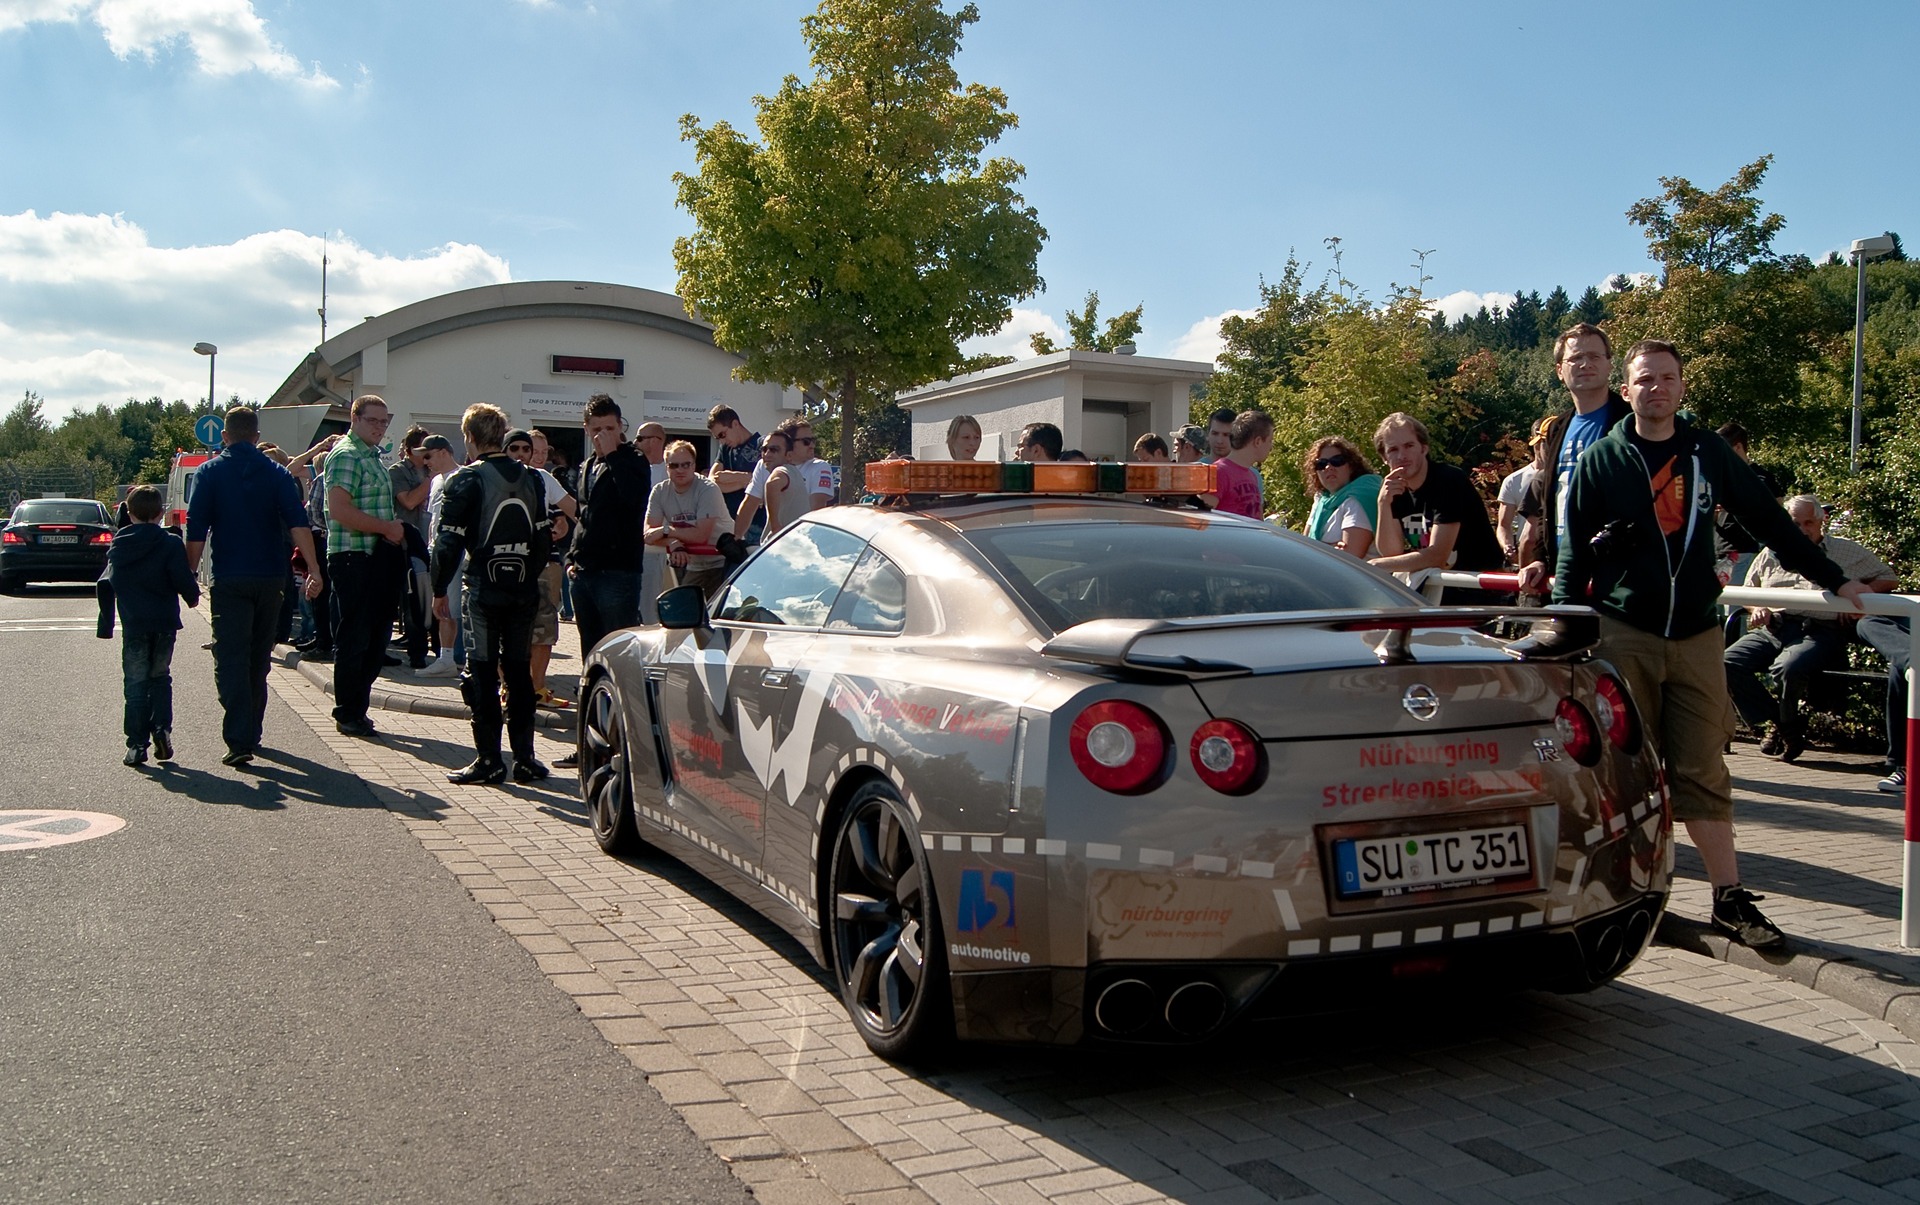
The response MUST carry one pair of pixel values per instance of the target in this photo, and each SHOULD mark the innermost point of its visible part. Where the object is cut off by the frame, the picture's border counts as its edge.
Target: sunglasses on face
(803, 439)
(1337, 460)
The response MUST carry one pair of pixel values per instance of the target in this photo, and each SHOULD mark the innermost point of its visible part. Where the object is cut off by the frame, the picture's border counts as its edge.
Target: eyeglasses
(1338, 460)
(803, 439)
(680, 464)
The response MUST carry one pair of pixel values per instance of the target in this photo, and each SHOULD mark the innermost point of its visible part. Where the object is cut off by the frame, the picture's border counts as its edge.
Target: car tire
(10, 584)
(605, 784)
(888, 959)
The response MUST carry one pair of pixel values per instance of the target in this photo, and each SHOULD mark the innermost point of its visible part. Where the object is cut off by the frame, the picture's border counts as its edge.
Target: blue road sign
(207, 429)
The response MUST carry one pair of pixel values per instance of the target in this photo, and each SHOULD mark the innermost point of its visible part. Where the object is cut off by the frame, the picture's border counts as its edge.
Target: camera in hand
(1617, 539)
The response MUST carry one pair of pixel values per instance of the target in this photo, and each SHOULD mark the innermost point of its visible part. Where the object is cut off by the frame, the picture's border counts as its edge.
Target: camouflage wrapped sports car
(1049, 768)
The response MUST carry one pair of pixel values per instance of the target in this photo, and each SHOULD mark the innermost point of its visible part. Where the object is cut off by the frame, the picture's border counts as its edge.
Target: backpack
(510, 547)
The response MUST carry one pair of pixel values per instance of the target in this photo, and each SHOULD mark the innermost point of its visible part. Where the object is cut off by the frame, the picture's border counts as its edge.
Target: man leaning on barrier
(1639, 549)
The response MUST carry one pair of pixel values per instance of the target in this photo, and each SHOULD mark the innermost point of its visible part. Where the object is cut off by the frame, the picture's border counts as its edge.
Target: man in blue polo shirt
(251, 506)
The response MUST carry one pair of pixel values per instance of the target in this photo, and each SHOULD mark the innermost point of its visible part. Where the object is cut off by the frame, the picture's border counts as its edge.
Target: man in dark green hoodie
(1639, 549)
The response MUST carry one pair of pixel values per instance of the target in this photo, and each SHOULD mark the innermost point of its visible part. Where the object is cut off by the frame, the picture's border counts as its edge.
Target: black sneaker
(163, 744)
(480, 772)
(1772, 743)
(1791, 747)
(136, 756)
(318, 656)
(570, 762)
(1735, 915)
(529, 769)
(237, 757)
(362, 727)
(1894, 783)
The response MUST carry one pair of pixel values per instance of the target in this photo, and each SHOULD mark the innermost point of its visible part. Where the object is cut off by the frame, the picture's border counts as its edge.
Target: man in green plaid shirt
(366, 560)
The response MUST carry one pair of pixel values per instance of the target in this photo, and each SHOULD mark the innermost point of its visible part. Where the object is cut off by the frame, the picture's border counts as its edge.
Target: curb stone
(1875, 990)
(393, 700)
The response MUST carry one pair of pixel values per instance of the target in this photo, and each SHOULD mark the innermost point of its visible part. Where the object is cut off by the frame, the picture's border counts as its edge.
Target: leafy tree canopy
(1719, 231)
(864, 236)
(1085, 334)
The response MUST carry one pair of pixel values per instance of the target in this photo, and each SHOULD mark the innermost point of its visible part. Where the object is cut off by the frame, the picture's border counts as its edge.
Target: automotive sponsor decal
(1470, 770)
(700, 748)
(986, 900)
(988, 953)
(949, 717)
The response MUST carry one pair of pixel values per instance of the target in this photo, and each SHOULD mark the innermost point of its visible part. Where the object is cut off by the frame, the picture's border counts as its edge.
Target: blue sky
(168, 167)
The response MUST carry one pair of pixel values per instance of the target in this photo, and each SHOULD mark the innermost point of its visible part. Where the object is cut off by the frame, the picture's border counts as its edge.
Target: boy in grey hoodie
(146, 578)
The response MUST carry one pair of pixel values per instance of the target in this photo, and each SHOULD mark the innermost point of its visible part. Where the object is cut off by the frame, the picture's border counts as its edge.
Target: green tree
(1591, 308)
(1085, 334)
(863, 238)
(1719, 231)
(1271, 346)
(25, 429)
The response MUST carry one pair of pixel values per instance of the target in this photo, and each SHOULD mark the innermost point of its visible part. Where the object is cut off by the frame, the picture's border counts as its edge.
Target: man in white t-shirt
(685, 513)
(651, 441)
(1513, 491)
(815, 473)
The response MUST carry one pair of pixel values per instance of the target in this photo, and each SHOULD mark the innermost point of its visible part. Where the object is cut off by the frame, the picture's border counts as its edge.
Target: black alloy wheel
(887, 956)
(604, 783)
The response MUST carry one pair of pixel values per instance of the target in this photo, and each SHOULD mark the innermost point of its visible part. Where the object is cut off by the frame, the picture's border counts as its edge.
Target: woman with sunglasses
(1345, 493)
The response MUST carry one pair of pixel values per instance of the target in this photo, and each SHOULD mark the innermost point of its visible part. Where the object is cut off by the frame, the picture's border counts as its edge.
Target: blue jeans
(1793, 652)
(605, 600)
(146, 671)
(1891, 637)
(246, 625)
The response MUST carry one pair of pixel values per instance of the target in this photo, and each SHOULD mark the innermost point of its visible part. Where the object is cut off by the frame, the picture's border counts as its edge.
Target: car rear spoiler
(1558, 633)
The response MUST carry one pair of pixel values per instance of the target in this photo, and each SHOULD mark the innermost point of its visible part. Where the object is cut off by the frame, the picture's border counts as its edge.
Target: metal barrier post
(1910, 874)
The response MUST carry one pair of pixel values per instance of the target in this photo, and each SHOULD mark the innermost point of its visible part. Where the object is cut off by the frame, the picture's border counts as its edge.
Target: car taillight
(1615, 713)
(1579, 735)
(1227, 757)
(11, 537)
(1120, 747)
(103, 538)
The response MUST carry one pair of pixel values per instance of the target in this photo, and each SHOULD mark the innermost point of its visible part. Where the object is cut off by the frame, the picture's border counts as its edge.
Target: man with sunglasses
(736, 457)
(815, 475)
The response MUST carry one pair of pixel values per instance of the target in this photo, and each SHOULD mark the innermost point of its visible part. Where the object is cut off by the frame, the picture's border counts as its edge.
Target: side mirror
(683, 607)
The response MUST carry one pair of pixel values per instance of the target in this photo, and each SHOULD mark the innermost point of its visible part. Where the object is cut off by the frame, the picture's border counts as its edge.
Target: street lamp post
(210, 352)
(1864, 249)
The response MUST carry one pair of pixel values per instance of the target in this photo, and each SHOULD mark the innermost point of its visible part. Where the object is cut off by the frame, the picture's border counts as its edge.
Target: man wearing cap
(1583, 360)
(1190, 445)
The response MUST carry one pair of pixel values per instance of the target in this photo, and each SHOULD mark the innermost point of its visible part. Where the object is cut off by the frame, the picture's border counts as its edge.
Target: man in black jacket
(604, 561)
(1639, 549)
(494, 512)
(1583, 360)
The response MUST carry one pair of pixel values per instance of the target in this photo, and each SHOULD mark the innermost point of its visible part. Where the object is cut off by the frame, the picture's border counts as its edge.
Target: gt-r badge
(1547, 750)
(1420, 701)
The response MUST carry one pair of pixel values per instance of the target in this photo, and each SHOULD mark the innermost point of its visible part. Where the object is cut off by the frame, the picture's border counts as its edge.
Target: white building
(537, 349)
(1101, 401)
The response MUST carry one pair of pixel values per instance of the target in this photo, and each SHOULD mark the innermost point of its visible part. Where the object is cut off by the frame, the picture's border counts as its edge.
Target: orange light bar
(890, 478)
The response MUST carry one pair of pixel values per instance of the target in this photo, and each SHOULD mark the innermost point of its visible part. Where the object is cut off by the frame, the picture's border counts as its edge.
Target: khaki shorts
(546, 615)
(1680, 687)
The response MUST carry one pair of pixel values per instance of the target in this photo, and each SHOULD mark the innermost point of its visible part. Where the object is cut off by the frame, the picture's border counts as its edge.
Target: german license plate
(1430, 861)
(66, 538)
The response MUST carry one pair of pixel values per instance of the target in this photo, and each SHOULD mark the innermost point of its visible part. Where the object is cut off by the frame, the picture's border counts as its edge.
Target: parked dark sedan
(55, 540)
(1042, 769)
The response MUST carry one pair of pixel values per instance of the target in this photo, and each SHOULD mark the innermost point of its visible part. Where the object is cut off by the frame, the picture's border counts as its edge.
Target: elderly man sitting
(1794, 648)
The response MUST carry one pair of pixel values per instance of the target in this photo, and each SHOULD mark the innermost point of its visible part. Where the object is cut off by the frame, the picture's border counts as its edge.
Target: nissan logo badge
(1420, 701)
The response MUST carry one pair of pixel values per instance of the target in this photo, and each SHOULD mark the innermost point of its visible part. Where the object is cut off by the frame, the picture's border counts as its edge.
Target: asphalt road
(263, 988)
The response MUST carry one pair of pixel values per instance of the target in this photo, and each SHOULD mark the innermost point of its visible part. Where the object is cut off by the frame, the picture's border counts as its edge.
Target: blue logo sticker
(986, 900)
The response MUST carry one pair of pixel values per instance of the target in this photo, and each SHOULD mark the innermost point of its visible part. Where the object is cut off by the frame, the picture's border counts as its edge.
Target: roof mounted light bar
(891, 478)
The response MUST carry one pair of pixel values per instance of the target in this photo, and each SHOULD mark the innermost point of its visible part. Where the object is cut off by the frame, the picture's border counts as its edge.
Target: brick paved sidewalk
(1824, 846)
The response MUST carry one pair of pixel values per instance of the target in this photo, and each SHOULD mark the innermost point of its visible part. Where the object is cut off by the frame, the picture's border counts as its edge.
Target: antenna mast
(323, 288)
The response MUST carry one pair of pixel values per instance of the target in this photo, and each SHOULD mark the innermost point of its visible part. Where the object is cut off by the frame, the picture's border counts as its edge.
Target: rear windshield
(1070, 573)
(51, 510)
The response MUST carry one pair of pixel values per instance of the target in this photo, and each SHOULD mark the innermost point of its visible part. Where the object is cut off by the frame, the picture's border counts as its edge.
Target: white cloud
(1638, 278)
(1012, 339)
(227, 37)
(1202, 340)
(93, 313)
(1458, 305)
